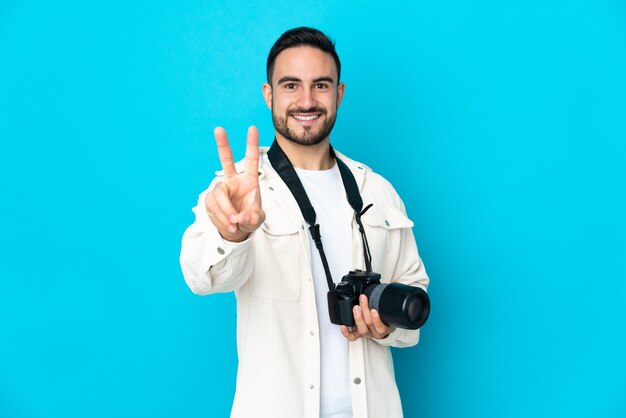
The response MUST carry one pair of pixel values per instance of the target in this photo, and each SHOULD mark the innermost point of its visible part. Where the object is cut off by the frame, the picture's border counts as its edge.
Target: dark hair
(299, 37)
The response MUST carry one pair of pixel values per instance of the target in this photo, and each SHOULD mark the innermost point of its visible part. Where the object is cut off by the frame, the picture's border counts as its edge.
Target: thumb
(252, 200)
(251, 203)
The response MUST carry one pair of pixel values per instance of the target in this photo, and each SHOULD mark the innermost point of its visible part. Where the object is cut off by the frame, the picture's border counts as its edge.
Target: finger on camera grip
(346, 333)
(361, 326)
(365, 310)
(379, 325)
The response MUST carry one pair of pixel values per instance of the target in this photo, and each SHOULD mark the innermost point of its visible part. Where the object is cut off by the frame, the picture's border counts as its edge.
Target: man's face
(304, 95)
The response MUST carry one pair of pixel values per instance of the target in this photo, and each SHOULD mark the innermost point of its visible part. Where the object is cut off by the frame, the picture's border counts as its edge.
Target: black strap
(354, 198)
(366, 247)
(349, 183)
(285, 170)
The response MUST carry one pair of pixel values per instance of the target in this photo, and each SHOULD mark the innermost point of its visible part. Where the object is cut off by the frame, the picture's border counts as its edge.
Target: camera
(399, 305)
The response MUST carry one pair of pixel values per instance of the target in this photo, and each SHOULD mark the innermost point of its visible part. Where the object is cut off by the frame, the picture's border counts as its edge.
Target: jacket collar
(358, 169)
(273, 186)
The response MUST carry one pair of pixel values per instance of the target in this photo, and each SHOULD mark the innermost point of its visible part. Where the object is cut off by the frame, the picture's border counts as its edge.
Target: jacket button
(312, 387)
(357, 380)
(271, 188)
(220, 250)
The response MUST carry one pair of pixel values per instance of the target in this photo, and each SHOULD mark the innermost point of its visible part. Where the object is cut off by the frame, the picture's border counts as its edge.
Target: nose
(307, 98)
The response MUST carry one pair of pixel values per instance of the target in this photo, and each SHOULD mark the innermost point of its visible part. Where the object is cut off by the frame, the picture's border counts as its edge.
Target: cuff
(217, 248)
(391, 338)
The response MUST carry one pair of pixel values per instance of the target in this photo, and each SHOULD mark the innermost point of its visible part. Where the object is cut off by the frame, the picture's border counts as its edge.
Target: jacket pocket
(278, 259)
(386, 217)
(384, 226)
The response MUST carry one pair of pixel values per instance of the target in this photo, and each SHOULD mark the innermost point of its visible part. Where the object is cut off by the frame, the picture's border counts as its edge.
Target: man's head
(302, 36)
(303, 89)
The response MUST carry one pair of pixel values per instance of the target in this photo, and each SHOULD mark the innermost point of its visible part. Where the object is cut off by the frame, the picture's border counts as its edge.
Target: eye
(321, 86)
(290, 86)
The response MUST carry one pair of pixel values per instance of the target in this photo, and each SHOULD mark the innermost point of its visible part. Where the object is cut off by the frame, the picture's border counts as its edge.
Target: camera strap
(280, 162)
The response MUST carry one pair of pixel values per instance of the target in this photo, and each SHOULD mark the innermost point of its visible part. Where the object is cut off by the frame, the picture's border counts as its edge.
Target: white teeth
(306, 117)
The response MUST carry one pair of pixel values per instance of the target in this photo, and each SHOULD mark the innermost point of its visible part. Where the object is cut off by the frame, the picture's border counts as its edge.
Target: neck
(307, 157)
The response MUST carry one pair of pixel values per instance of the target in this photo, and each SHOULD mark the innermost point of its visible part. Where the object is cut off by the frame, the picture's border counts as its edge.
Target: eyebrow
(329, 79)
(296, 79)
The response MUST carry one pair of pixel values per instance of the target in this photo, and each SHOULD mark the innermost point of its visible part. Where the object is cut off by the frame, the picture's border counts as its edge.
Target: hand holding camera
(394, 304)
(367, 323)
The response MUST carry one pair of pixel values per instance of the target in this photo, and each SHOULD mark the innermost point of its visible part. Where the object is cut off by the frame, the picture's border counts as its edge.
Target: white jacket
(277, 326)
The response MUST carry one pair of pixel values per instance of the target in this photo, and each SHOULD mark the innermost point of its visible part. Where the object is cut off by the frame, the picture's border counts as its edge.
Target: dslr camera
(399, 305)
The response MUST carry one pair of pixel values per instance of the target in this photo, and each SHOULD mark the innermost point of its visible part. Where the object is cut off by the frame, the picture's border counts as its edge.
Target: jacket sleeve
(208, 262)
(409, 270)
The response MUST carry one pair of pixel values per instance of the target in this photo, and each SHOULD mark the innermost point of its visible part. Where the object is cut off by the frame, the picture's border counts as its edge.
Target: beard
(309, 137)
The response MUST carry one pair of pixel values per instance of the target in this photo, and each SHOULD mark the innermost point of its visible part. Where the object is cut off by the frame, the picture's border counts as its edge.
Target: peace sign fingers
(252, 152)
(234, 206)
(224, 152)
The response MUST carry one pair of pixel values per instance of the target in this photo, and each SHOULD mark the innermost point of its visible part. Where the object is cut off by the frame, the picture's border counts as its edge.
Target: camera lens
(413, 310)
(399, 305)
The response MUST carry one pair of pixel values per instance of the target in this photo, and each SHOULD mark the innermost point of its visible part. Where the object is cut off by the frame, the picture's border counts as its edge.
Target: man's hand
(368, 323)
(234, 205)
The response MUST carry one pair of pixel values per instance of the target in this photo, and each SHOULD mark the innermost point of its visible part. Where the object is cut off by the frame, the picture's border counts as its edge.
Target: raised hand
(234, 205)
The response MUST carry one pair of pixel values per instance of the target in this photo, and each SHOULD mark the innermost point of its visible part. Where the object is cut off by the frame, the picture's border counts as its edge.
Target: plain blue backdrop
(501, 123)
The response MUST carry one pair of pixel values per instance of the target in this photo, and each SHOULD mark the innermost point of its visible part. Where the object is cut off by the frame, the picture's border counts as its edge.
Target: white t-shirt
(328, 197)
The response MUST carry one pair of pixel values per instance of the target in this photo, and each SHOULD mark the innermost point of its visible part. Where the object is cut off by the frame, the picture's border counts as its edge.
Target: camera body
(346, 294)
(398, 305)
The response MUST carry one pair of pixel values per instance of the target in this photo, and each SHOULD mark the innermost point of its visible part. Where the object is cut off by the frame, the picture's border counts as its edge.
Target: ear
(267, 95)
(340, 88)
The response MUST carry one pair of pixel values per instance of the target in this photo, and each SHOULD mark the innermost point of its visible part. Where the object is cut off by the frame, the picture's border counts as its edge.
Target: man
(251, 236)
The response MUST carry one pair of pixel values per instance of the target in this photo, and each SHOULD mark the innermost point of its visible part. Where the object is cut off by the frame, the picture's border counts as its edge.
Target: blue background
(501, 123)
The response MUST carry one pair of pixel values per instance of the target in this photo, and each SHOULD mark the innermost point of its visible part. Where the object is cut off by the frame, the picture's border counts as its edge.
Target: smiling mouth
(306, 118)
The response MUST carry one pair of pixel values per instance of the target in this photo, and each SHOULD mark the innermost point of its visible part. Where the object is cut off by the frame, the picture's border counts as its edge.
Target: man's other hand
(368, 323)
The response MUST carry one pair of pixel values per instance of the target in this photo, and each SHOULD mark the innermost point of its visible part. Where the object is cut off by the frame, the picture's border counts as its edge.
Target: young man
(250, 236)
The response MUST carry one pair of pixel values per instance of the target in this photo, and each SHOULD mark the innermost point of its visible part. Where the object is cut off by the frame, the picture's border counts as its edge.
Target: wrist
(238, 236)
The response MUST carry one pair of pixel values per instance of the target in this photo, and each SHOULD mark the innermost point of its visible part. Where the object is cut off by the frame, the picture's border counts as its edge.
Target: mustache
(315, 109)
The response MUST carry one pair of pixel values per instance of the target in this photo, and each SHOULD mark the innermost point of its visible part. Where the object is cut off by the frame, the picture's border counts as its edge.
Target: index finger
(365, 309)
(252, 152)
(224, 152)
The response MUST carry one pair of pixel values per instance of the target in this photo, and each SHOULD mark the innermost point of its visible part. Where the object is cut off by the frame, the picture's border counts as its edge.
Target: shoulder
(373, 186)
